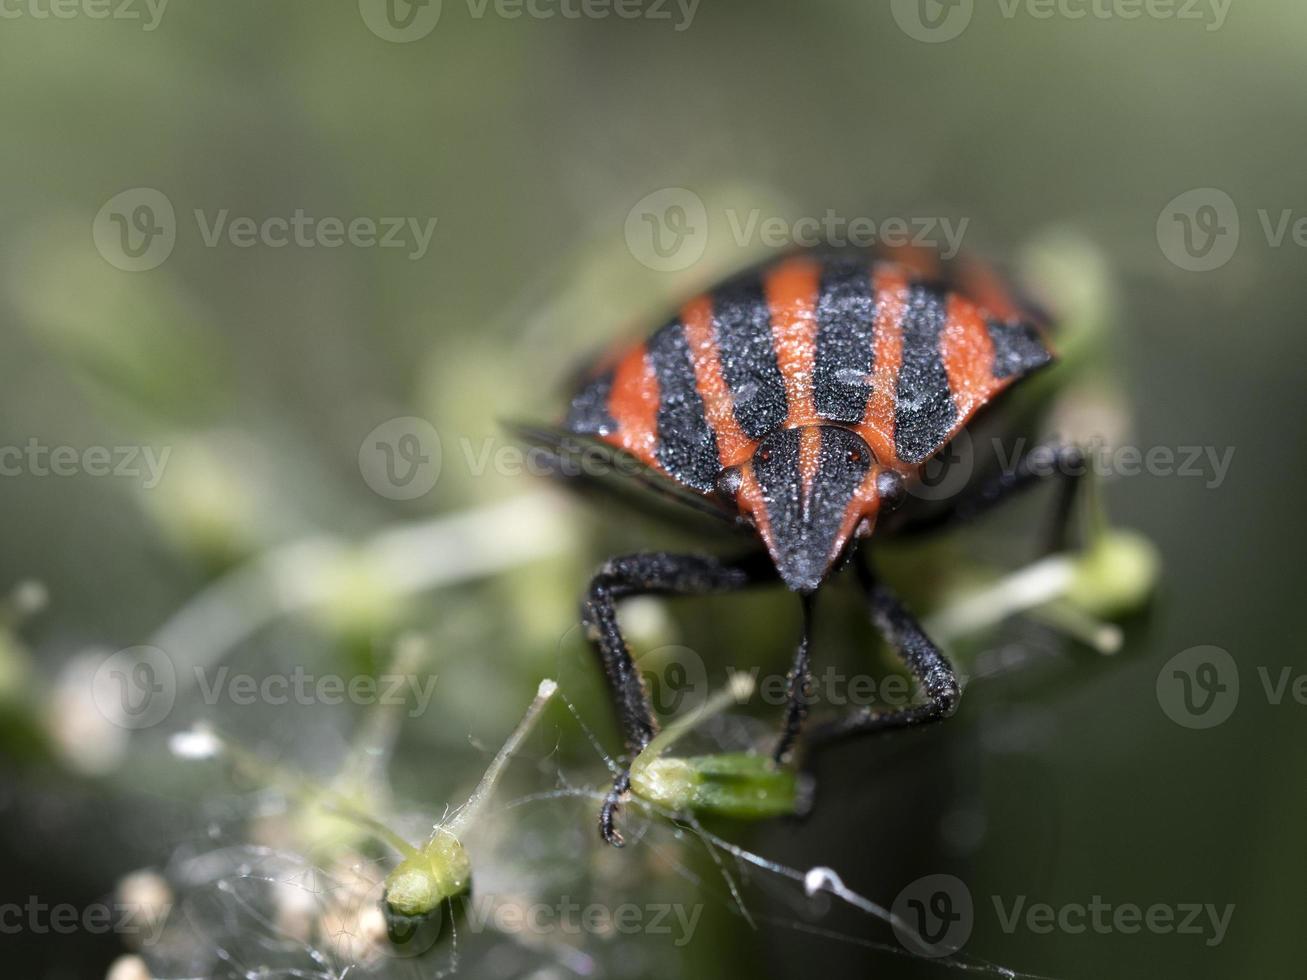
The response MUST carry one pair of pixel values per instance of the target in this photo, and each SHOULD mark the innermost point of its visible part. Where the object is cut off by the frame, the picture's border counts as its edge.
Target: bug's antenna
(463, 817)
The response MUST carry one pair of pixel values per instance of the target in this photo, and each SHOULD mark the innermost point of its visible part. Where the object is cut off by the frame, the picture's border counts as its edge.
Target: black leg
(608, 811)
(799, 691)
(653, 573)
(929, 667)
(1064, 463)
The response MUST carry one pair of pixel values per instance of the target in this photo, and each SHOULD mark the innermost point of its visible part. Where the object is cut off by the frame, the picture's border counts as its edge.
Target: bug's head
(808, 490)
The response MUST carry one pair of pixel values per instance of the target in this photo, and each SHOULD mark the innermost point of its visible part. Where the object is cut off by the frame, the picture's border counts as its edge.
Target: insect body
(803, 399)
(806, 394)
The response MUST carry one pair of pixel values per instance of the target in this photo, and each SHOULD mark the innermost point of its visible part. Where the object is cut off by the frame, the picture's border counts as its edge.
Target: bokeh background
(1065, 142)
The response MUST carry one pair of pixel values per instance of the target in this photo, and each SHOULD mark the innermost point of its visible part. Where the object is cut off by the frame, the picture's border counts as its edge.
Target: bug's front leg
(927, 664)
(650, 573)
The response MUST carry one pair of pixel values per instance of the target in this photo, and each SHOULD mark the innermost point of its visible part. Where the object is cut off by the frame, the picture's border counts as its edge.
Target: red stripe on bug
(792, 288)
(968, 355)
(891, 285)
(633, 404)
(733, 445)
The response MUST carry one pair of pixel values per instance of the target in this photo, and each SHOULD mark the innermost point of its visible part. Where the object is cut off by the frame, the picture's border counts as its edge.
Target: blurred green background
(263, 373)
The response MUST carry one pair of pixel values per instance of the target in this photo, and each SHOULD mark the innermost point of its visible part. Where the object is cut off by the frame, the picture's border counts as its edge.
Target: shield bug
(802, 400)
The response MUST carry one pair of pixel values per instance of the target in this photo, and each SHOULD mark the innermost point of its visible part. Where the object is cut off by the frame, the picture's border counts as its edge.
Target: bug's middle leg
(650, 573)
(926, 662)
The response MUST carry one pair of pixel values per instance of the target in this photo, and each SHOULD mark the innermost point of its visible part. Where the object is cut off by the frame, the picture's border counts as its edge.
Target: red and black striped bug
(802, 399)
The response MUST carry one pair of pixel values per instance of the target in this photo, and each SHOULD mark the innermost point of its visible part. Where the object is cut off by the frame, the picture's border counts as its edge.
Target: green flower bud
(1115, 576)
(422, 881)
(734, 784)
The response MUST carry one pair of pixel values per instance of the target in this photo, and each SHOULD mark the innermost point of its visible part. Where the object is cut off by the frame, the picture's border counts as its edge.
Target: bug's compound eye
(891, 489)
(729, 481)
(856, 456)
